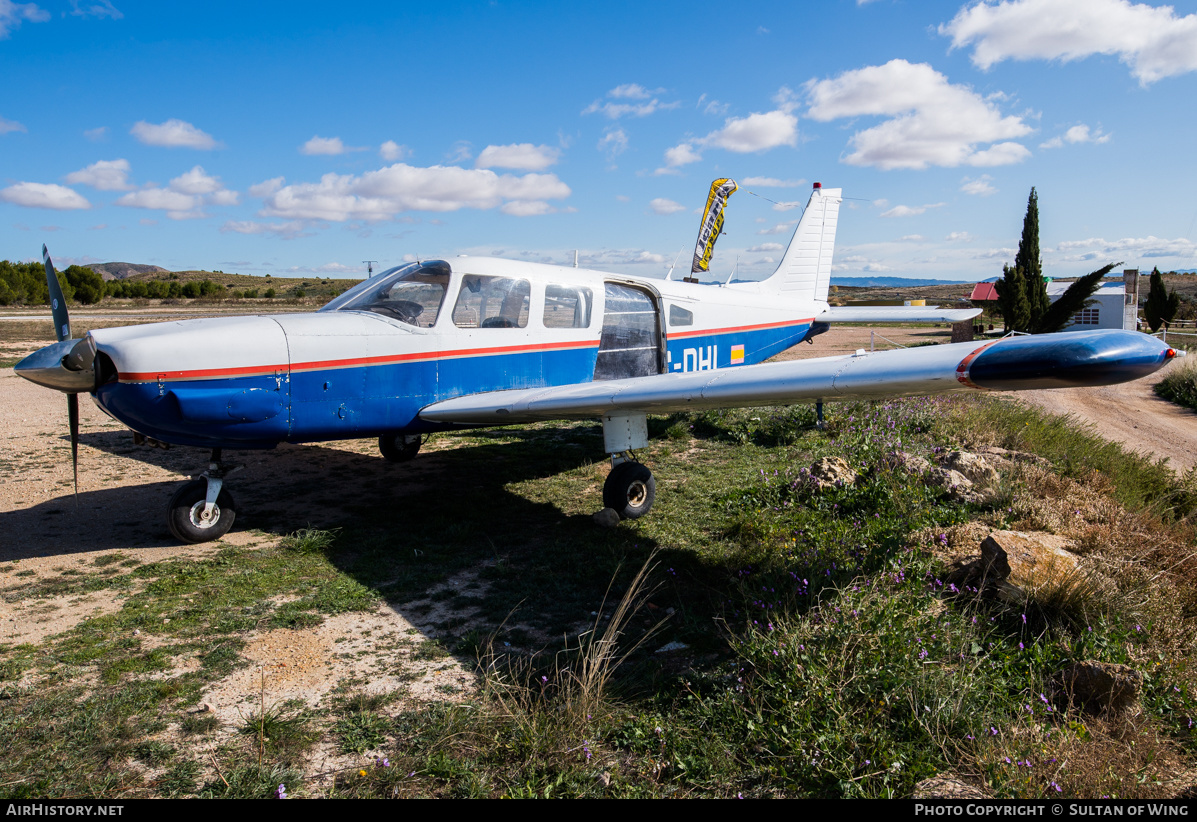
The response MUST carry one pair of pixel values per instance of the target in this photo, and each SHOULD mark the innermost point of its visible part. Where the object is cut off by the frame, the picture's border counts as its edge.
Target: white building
(1111, 306)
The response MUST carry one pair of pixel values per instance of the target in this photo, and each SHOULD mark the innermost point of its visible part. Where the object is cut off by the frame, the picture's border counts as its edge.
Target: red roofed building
(983, 292)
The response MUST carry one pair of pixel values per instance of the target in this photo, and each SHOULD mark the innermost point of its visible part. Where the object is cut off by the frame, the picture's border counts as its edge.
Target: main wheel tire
(399, 447)
(184, 515)
(630, 489)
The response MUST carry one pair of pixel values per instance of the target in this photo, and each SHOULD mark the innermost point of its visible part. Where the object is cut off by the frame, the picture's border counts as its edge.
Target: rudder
(805, 269)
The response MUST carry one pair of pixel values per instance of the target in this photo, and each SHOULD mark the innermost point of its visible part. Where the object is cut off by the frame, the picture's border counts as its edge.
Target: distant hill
(122, 271)
(896, 282)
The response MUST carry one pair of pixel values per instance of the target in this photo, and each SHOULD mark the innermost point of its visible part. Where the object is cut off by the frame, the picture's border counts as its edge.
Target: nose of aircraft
(67, 366)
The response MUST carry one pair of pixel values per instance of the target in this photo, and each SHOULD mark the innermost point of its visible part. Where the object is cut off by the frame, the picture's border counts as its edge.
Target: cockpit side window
(412, 294)
(567, 306)
(492, 302)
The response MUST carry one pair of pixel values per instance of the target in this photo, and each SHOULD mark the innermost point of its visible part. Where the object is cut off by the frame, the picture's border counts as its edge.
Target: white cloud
(979, 187)
(13, 14)
(1077, 134)
(681, 155)
(196, 181)
(381, 194)
(323, 146)
(630, 91)
(756, 132)
(790, 206)
(909, 211)
(614, 257)
(266, 187)
(780, 228)
(526, 208)
(96, 8)
(105, 175)
(96, 134)
(172, 134)
(660, 205)
(743, 135)
(461, 151)
(911, 238)
(44, 195)
(933, 122)
(614, 142)
(1149, 246)
(1153, 41)
(184, 198)
(958, 237)
(996, 254)
(766, 247)
(10, 125)
(392, 151)
(712, 107)
(288, 230)
(772, 182)
(518, 156)
(178, 206)
(633, 91)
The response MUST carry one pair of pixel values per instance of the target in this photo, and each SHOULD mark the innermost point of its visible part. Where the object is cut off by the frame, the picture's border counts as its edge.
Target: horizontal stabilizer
(1067, 360)
(895, 314)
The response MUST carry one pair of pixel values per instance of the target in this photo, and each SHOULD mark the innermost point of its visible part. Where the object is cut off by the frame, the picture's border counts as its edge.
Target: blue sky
(302, 138)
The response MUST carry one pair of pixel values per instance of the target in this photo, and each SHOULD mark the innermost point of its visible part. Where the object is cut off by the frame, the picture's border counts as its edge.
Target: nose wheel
(202, 510)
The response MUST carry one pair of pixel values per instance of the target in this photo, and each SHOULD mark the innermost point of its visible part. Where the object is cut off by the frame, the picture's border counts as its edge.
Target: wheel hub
(637, 493)
(201, 520)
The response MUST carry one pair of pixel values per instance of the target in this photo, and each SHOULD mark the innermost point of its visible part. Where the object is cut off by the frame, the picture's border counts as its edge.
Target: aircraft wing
(1066, 360)
(895, 314)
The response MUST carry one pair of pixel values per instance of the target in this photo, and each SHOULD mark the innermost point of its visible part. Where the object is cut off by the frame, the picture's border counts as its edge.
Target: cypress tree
(1161, 306)
(1012, 299)
(1029, 262)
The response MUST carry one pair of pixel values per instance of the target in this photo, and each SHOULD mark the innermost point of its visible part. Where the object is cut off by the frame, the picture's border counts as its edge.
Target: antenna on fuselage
(669, 276)
(369, 268)
(575, 258)
(733, 271)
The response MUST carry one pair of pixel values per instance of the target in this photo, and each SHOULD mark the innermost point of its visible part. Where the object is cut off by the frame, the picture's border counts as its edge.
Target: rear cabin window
(491, 302)
(679, 316)
(567, 306)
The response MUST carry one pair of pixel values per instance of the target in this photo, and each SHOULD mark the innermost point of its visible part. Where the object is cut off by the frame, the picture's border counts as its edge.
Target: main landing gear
(630, 489)
(399, 447)
(202, 510)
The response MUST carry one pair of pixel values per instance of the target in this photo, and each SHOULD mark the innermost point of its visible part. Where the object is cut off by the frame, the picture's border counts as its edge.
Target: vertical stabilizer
(805, 270)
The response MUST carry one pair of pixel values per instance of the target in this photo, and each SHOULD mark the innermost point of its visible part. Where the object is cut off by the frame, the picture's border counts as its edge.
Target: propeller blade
(58, 307)
(73, 418)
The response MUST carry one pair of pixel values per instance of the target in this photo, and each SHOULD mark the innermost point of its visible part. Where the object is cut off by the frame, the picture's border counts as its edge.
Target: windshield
(410, 293)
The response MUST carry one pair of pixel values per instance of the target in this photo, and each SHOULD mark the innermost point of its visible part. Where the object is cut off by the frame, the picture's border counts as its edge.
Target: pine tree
(1030, 264)
(1161, 306)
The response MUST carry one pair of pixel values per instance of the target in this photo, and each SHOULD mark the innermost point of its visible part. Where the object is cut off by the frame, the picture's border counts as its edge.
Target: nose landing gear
(202, 510)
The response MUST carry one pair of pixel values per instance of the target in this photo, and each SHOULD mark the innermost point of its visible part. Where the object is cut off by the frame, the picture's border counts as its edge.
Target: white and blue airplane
(439, 345)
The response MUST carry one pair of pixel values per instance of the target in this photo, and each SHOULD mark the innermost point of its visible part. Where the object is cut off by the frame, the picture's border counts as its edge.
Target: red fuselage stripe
(350, 362)
(679, 335)
(389, 359)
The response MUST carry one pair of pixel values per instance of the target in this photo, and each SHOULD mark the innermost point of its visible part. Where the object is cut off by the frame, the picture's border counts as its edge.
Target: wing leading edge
(1074, 359)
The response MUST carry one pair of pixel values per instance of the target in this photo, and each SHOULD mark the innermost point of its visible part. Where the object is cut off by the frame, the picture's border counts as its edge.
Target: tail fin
(805, 270)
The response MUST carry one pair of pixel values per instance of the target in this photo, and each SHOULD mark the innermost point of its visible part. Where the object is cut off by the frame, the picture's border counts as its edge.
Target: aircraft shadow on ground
(442, 538)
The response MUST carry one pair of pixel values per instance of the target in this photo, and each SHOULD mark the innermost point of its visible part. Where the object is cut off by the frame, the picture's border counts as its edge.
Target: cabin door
(630, 345)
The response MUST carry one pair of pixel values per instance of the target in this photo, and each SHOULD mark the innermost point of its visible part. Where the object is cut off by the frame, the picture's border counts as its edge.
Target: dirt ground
(123, 490)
